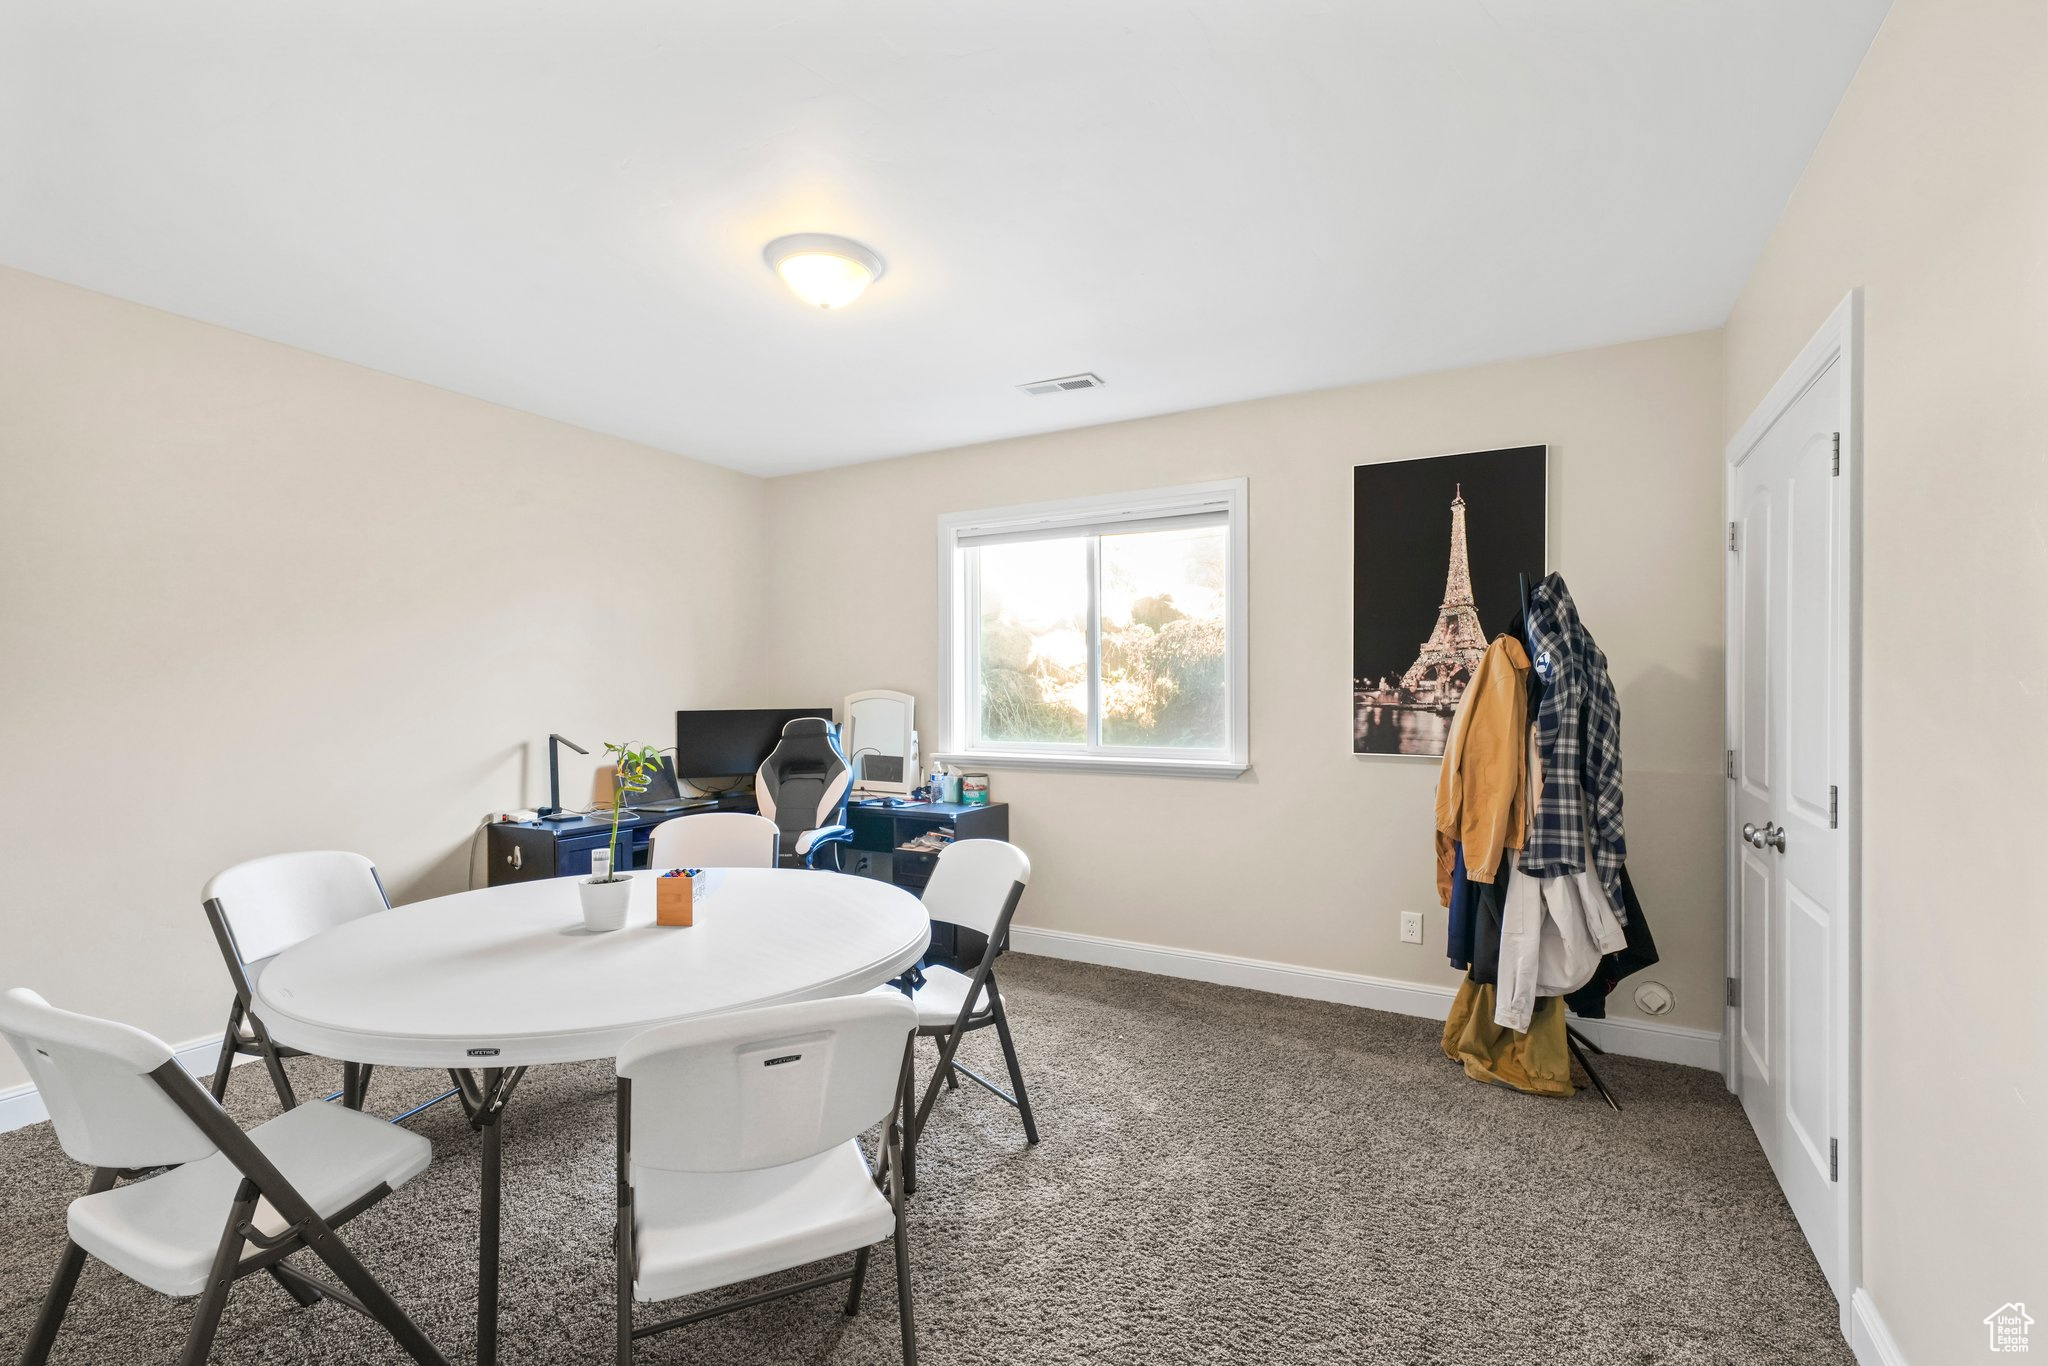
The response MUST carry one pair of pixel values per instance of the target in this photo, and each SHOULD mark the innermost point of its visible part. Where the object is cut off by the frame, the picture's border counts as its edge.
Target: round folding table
(490, 982)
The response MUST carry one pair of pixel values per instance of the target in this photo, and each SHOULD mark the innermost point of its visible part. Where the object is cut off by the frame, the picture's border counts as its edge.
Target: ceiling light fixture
(823, 270)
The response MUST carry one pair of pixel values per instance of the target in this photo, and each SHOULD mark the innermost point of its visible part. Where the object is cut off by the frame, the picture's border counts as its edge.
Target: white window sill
(1097, 763)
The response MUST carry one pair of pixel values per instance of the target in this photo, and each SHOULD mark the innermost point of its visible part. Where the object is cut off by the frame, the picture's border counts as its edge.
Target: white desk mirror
(879, 735)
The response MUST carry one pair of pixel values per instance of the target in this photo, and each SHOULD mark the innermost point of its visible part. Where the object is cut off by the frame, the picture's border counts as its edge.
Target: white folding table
(490, 982)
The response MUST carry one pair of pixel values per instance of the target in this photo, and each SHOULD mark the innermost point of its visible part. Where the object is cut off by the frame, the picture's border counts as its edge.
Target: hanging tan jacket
(1480, 794)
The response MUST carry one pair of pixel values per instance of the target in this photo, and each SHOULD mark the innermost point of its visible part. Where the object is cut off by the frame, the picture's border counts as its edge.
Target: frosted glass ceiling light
(823, 270)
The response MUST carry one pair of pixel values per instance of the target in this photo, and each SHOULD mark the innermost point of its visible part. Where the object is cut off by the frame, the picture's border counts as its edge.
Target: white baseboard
(1256, 974)
(1869, 1339)
(1626, 1038)
(21, 1106)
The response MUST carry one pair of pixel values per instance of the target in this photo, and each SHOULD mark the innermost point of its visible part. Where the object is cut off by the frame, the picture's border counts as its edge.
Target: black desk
(527, 851)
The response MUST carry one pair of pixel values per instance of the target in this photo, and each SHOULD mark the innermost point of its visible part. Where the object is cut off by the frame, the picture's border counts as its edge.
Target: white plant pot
(604, 903)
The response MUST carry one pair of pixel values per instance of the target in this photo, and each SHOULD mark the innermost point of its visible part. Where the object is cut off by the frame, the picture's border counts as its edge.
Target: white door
(1790, 726)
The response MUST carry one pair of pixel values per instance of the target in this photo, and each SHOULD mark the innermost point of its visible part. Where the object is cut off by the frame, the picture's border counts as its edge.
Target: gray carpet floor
(1225, 1176)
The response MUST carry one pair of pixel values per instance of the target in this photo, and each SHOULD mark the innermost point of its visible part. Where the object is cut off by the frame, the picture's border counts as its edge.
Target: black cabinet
(526, 851)
(879, 834)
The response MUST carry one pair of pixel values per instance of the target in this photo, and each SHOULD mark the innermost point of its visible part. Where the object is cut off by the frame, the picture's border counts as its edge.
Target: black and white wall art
(1436, 545)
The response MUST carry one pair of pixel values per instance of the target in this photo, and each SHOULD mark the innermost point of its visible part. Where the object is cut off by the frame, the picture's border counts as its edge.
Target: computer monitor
(731, 744)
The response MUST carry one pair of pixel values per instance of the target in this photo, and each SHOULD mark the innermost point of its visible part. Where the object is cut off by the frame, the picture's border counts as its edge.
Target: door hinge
(1838, 452)
(1731, 535)
(1834, 1159)
(1731, 763)
(1734, 993)
(1834, 807)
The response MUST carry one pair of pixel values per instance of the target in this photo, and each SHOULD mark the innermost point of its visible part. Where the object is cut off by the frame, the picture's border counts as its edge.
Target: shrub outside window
(1098, 633)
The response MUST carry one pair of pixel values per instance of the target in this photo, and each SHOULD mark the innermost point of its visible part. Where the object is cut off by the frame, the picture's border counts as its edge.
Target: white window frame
(959, 638)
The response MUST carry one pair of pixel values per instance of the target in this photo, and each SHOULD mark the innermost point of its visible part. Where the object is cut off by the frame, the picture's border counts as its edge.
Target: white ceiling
(561, 205)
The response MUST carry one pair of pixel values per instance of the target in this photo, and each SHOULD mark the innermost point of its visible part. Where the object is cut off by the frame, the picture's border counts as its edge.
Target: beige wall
(258, 600)
(1308, 858)
(1930, 191)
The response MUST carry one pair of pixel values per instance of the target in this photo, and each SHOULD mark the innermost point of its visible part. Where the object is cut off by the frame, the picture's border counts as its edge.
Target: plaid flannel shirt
(1578, 736)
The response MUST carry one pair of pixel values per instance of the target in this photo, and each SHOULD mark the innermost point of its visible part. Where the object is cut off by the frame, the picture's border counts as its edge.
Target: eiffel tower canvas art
(1440, 673)
(1420, 526)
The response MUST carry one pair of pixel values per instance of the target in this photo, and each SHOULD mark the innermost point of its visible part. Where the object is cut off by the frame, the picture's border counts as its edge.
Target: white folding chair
(716, 839)
(258, 910)
(739, 1154)
(235, 1204)
(976, 886)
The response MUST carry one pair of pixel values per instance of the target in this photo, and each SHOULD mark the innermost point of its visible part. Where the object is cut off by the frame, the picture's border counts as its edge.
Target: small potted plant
(605, 898)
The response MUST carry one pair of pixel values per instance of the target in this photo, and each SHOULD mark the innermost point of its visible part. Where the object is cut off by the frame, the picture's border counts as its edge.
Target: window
(1101, 633)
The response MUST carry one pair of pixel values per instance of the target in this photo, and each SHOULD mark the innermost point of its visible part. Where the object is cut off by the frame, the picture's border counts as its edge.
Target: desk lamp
(553, 810)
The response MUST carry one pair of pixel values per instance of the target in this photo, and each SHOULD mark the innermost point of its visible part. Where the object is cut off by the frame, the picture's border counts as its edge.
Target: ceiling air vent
(1063, 383)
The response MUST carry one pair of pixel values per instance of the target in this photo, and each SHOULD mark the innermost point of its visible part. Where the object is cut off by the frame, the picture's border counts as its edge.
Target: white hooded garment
(1554, 931)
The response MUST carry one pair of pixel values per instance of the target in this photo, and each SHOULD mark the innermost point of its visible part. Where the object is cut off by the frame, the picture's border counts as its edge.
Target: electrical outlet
(1411, 927)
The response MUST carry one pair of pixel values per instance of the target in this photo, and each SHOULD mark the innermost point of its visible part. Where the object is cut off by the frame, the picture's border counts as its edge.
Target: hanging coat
(1554, 931)
(1475, 918)
(1481, 796)
(1576, 815)
(1590, 1001)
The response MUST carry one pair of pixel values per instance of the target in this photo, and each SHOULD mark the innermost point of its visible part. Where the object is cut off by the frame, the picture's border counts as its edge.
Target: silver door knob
(1750, 834)
(1774, 837)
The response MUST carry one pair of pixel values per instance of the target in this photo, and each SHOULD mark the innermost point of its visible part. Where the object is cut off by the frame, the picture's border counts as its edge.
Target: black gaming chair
(802, 787)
